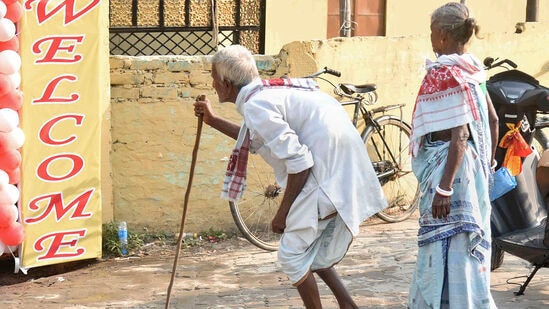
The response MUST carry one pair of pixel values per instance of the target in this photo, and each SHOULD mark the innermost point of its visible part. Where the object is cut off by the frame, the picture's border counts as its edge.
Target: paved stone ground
(235, 274)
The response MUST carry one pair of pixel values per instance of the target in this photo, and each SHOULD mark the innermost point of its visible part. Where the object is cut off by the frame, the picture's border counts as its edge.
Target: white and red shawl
(444, 100)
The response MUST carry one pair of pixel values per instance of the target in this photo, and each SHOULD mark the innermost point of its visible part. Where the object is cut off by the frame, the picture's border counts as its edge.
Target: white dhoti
(316, 237)
(326, 250)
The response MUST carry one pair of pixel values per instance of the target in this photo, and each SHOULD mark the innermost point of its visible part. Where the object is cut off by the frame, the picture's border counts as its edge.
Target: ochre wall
(406, 17)
(294, 20)
(153, 134)
(153, 126)
(304, 20)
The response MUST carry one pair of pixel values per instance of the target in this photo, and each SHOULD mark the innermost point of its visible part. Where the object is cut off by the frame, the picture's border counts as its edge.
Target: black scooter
(519, 217)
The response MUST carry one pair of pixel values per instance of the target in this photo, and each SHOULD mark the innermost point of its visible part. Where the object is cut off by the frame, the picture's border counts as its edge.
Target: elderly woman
(453, 144)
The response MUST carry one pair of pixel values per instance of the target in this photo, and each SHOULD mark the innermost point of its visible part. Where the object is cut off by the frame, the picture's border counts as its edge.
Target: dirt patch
(158, 249)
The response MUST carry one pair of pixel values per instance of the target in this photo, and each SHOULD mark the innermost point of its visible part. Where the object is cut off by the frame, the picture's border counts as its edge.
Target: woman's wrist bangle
(494, 164)
(443, 192)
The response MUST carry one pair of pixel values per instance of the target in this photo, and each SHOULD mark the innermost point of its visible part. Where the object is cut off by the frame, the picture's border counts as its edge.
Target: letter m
(54, 203)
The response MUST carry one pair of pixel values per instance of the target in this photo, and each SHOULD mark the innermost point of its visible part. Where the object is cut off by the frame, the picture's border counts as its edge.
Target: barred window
(185, 27)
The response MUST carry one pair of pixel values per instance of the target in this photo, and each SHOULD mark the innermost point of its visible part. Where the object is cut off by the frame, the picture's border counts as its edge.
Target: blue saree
(453, 262)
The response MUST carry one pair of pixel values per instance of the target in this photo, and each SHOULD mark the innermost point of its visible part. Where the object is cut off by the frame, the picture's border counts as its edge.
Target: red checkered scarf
(444, 100)
(235, 176)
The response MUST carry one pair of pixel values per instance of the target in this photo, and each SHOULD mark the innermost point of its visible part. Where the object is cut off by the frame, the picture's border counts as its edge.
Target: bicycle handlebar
(325, 70)
(332, 72)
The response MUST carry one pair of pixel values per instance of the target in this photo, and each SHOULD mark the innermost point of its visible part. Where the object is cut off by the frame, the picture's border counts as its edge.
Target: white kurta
(294, 130)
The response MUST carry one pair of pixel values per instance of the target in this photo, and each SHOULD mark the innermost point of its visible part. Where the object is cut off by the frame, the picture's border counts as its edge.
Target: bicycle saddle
(351, 89)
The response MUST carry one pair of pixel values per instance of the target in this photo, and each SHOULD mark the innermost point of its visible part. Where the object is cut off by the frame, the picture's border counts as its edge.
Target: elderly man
(317, 156)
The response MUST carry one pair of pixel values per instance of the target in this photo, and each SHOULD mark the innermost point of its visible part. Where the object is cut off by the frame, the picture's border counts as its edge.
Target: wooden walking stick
(180, 238)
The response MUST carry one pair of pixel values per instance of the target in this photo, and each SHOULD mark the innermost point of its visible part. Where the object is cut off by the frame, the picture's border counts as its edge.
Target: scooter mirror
(488, 61)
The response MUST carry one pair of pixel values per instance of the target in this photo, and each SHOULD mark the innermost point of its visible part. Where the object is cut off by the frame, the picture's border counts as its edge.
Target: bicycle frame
(358, 100)
(360, 96)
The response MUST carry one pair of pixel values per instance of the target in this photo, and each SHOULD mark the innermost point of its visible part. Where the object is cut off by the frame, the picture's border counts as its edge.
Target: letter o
(43, 173)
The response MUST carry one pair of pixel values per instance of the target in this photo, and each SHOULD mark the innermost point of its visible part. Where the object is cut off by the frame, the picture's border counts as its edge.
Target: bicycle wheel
(388, 150)
(255, 210)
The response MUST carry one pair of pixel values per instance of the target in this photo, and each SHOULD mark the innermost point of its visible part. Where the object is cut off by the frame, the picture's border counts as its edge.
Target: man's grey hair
(235, 64)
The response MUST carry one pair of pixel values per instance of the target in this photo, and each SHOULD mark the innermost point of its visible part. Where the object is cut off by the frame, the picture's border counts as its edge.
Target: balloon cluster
(11, 135)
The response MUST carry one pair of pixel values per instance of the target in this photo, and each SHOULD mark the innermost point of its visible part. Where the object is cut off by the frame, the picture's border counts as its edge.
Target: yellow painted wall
(153, 126)
(396, 64)
(406, 17)
(294, 20)
(303, 20)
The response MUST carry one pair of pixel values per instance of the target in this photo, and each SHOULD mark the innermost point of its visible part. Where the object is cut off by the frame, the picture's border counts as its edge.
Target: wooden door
(368, 17)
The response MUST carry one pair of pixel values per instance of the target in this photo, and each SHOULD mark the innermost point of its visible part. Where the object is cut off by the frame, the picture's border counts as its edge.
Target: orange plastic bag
(517, 148)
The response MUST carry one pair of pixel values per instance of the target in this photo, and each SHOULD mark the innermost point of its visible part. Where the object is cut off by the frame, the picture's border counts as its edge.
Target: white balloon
(3, 248)
(15, 211)
(9, 119)
(15, 79)
(10, 62)
(4, 178)
(3, 11)
(7, 29)
(18, 136)
(13, 193)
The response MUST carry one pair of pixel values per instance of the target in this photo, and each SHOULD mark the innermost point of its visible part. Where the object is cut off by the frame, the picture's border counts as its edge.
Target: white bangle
(443, 192)
(494, 164)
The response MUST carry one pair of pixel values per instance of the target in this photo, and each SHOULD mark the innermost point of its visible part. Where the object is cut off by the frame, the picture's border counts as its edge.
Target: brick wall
(153, 132)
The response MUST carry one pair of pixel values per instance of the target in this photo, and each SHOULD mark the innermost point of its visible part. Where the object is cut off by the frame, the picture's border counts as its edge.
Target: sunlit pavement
(377, 271)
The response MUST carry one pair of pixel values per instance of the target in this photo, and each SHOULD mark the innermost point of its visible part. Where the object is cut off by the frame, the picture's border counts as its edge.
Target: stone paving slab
(377, 271)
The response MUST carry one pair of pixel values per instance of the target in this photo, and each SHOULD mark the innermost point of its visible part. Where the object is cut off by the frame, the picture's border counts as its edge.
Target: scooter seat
(527, 244)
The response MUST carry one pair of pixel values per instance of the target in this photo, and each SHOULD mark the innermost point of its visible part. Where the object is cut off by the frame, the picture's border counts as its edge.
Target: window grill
(185, 27)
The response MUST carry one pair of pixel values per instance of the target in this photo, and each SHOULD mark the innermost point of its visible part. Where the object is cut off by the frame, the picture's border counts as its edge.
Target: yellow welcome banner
(64, 79)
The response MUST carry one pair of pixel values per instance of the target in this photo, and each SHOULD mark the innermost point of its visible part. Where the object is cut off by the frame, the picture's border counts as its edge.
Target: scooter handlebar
(489, 63)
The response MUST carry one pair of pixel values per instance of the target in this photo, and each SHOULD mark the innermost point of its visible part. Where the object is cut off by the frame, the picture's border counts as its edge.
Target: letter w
(70, 14)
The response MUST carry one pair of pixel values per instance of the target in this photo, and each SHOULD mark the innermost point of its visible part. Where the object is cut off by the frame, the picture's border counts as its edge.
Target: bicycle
(386, 138)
